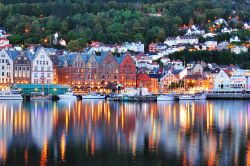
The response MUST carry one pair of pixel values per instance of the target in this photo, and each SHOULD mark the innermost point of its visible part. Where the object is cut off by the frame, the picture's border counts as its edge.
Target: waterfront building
(222, 80)
(127, 71)
(41, 67)
(108, 69)
(71, 68)
(22, 68)
(144, 81)
(6, 67)
(170, 77)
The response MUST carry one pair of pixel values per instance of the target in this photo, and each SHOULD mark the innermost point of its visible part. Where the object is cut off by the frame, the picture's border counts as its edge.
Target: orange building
(143, 80)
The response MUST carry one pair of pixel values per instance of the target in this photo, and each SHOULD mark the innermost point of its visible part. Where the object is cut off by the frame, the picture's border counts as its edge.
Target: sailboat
(40, 96)
(92, 95)
(185, 96)
(165, 97)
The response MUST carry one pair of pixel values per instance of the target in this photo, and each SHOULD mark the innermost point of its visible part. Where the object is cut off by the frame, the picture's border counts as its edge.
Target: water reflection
(73, 132)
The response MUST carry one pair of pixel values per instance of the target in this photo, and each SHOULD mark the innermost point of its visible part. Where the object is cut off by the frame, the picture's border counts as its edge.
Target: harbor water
(98, 132)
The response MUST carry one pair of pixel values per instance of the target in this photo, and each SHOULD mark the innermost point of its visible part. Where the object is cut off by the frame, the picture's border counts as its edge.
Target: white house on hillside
(239, 49)
(170, 41)
(42, 67)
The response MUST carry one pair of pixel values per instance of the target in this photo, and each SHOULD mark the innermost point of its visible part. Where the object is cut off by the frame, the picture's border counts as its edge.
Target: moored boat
(10, 95)
(200, 96)
(93, 96)
(165, 97)
(68, 95)
(186, 97)
(40, 96)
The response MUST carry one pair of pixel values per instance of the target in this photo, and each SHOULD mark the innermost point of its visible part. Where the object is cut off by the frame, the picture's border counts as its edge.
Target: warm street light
(26, 30)
(45, 40)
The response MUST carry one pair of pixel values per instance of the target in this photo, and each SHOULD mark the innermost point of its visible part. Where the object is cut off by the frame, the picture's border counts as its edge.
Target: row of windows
(4, 61)
(42, 68)
(22, 68)
(42, 75)
(39, 81)
(22, 74)
(7, 80)
(3, 67)
(108, 77)
(6, 74)
(42, 62)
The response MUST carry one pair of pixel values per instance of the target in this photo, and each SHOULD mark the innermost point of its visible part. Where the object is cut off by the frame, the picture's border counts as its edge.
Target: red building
(127, 71)
(97, 72)
(144, 81)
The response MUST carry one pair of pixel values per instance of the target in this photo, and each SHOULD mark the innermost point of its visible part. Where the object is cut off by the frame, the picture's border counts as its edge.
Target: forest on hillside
(79, 22)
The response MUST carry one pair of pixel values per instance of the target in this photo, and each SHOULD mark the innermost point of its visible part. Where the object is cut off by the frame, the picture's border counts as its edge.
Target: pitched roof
(120, 58)
(29, 55)
(100, 58)
(12, 53)
(70, 58)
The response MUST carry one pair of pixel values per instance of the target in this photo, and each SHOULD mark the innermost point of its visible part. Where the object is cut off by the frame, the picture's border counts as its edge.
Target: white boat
(10, 95)
(186, 97)
(93, 96)
(165, 97)
(68, 95)
(200, 96)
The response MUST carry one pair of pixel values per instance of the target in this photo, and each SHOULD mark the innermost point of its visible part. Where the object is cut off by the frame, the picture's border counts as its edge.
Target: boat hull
(67, 97)
(8, 97)
(93, 97)
(165, 98)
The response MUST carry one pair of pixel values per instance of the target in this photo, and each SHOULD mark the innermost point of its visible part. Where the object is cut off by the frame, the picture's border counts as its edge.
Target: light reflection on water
(97, 132)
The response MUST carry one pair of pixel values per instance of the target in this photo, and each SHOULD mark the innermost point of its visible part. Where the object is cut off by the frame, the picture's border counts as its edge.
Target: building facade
(6, 67)
(41, 67)
(22, 68)
(127, 71)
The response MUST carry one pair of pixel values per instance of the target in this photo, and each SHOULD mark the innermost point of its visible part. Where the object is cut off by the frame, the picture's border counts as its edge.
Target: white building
(170, 41)
(238, 80)
(42, 67)
(247, 25)
(221, 80)
(226, 30)
(234, 39)
(239, 49)
(195, 31)
(6, 67)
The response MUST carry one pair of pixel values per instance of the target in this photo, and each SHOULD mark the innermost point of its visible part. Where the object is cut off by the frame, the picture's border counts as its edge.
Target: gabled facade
(92, 71)
(221, 80)
(22, 68)
(169, 78)
(108, 69)
(41, 67)
(127, 71)
(6, 68)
